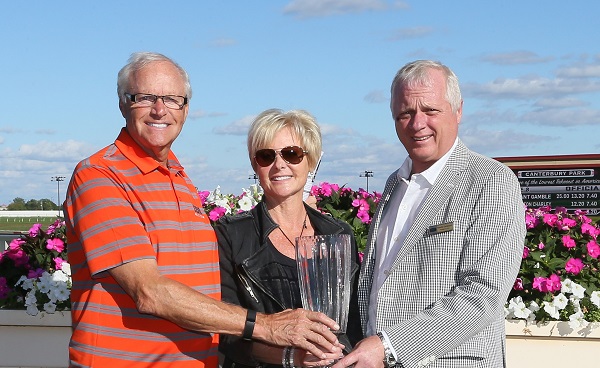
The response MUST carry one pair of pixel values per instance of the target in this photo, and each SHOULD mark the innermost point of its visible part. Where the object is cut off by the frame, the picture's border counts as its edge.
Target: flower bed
(558, 279)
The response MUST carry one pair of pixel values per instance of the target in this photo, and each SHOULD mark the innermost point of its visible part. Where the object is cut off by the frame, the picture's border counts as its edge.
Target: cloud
(199, 114)
(515, 57)
(377, 97)
(68, 151)
(323, 8)
(46, 131)
(529, 87)
(559, 102)
(9, 130)
(223, 42)
(562, 117)
(410, 33)
(238, 127)
(580, 71)
(491, 142)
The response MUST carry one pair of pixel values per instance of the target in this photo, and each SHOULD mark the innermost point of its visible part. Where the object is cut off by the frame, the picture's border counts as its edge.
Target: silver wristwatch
(389, 361)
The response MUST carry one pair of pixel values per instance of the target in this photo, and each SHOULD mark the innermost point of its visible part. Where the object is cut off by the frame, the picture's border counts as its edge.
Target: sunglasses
(291, 154)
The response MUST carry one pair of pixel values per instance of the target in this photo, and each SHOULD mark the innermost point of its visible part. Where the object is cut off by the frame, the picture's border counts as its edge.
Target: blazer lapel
(435, 201)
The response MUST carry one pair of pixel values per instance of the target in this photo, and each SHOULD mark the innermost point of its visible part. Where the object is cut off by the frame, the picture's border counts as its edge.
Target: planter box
(28, 341)
(553, 344)
(34, 341)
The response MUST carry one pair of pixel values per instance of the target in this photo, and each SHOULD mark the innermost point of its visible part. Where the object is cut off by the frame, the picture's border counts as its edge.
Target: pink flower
(566, 223)
(361, 256)
(547, 285)
(554, 282)
(518, 284)
(35, 230)
(362, 204)
(16, 253)
(15, 244)
(203, 194)
(593, 249)
(364, 216)
(550, 219)
(568, 241)
(541, 246)
(51, 228)
(55, 244)
(574, 266)
(217, 213)
(58, 262)
(589, 229)
(531, 220)
(326, 189)
(525, 252)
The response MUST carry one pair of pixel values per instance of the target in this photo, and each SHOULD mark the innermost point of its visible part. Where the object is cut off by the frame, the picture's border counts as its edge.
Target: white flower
(50, 307)
(566, 286)
(60, 292)
(551, 309)
(572, 287)
(25, 283)
(577, 321)
(66, 268)
(533, 307)
(520, 309)
(246, 203)
(596, 298)
(560, 301)
(32, 309)
(60, 276)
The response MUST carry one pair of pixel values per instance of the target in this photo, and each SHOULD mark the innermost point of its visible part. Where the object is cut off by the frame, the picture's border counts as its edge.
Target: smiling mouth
(158, 125)
(421, 139)
(278, 178)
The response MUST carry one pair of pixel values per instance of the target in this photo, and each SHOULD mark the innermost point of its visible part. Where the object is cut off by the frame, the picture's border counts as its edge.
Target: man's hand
(368, 353)
(311, 331)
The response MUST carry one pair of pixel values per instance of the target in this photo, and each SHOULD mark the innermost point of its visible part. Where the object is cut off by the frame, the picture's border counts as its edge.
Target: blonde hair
(302, 124)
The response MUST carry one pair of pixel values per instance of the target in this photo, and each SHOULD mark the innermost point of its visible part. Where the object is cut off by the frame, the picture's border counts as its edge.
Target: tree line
(19, 204)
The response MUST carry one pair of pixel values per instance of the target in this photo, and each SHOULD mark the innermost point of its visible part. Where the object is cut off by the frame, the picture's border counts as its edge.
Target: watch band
(389, 361)
(249, 326)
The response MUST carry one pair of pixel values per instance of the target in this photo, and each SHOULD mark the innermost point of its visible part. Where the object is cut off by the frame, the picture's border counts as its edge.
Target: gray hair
(270, 122)
(416, 73)
(139, 60)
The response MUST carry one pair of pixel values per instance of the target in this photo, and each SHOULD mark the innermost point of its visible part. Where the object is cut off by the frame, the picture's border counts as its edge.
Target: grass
(23, 223)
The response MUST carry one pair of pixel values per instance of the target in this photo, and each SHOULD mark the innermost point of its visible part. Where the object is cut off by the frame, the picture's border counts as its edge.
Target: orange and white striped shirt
(123, 206)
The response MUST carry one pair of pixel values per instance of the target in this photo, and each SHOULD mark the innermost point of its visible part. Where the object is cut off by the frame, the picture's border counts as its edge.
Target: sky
(529, 74)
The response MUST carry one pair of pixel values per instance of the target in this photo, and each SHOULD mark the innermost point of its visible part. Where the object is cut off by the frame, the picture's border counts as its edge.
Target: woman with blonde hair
(257, 248)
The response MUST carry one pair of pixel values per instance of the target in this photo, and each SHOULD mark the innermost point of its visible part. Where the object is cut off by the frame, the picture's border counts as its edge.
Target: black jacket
(243, 255)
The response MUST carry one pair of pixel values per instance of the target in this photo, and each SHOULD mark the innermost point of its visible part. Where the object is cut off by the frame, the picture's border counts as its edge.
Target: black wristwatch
(389, 361)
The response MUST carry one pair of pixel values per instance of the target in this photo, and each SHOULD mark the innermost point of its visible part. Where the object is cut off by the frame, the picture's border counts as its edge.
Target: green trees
(19, 204)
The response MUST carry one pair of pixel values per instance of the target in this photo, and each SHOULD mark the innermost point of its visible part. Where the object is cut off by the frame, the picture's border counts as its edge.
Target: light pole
(367, 174)
(253, 177)
(58, 179)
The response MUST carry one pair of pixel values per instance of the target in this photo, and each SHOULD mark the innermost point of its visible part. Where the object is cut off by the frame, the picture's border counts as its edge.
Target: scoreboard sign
(570, 181)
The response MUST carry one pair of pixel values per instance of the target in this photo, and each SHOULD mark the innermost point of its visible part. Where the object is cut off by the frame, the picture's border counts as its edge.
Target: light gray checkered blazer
(442, 303)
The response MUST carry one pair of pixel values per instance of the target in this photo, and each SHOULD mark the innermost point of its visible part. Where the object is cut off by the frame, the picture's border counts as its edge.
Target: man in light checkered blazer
(445, 243)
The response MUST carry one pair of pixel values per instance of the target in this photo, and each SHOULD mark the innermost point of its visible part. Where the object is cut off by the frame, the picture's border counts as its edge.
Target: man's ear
(124, 110)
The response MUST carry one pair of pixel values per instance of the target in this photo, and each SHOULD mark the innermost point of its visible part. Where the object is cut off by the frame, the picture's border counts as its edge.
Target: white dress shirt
(398, 216)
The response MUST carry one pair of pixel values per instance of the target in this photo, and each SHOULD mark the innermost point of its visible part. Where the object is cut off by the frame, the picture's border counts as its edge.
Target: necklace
(301, 232)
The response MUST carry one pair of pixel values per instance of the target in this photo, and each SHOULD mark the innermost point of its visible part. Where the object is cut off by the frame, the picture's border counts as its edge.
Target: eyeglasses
(290, 154)
(170, 101)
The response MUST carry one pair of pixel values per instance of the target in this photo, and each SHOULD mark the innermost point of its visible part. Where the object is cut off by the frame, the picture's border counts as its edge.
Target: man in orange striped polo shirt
(143, 254)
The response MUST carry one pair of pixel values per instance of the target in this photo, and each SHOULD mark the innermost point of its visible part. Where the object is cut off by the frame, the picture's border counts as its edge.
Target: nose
(159, 108)
(279, 161)
(419, 120)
